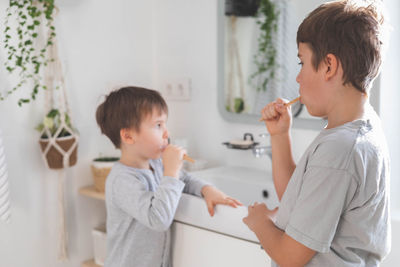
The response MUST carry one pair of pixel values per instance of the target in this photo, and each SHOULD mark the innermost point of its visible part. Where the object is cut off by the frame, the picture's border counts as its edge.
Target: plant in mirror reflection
(265, 59)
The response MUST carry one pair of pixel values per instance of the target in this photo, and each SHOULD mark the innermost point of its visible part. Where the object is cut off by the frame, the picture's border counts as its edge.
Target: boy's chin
(315, 113)
(156, 156)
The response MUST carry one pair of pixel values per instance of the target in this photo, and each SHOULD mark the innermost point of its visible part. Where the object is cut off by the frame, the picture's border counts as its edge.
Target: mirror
(257, 57)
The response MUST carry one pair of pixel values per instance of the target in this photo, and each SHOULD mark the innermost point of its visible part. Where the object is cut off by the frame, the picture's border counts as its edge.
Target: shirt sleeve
(193, 185)
(155, 210)
(323, 197)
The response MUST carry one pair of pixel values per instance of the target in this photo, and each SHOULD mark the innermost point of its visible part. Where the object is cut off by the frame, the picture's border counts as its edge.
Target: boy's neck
(349, 106)
(132, 160)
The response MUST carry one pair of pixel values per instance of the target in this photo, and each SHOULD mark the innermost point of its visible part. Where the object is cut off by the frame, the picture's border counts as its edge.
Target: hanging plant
(52, 122)
(25, 54)
(57, 125)
(265, 59)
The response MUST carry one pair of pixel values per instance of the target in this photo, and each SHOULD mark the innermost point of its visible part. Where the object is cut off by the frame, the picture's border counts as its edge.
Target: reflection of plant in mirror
(239, 105)
(23, 53)
(265, 59)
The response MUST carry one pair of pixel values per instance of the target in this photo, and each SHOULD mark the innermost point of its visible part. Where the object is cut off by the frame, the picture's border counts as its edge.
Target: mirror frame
(302, 123)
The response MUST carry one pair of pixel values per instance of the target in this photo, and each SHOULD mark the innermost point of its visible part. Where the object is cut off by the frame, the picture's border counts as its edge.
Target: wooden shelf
(90, 191)
(90, 263)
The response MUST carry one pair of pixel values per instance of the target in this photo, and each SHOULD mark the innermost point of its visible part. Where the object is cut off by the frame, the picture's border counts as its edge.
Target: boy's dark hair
(126, 108)
(350, 30)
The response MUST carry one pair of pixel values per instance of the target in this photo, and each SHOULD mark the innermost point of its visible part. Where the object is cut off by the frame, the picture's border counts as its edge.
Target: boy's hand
(277, 117)
(213, 196)
(258, 214)
(172, 158)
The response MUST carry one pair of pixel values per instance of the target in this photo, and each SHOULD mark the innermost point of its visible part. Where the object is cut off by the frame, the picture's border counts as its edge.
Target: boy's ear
(332, 65)
(127, 136)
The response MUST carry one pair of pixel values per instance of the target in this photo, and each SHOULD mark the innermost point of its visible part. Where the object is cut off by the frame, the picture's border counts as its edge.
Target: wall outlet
(178, 90)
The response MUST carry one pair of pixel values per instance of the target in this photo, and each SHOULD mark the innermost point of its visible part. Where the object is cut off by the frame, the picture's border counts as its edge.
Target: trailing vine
(24, 53)
(265, 59)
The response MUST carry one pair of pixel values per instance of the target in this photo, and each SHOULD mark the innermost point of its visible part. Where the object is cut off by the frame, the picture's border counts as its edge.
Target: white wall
(390, 95)
(102, 44)
(105, 44)
(390, 110)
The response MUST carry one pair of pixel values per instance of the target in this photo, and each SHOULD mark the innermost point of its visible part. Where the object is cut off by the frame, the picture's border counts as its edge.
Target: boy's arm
(283, 249)
(313, 220)
(156, 209)
(193, 185)
(211, 194)
(283, 164)
(278, 119)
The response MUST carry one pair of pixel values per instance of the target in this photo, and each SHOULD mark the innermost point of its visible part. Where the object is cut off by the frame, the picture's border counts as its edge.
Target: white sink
(244, 184)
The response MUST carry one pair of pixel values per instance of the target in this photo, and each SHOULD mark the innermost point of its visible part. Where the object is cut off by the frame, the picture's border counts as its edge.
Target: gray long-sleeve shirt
(141, 205)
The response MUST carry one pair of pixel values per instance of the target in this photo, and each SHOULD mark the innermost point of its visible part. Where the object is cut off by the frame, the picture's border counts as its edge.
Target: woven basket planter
(100, 170)
(54, 158)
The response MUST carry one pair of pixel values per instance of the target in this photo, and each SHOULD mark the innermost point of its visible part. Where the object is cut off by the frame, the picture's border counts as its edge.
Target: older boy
(334, 207)
(143, 191)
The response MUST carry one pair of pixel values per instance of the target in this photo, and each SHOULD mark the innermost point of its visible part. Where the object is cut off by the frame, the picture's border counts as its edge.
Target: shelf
(90, 191)
(90, 263)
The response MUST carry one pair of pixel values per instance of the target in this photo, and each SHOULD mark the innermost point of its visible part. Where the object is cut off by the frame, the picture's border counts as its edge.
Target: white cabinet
(195, 247)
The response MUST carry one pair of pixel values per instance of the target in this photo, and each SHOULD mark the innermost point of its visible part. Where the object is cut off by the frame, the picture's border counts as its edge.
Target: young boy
(143, 191)
(334, 208)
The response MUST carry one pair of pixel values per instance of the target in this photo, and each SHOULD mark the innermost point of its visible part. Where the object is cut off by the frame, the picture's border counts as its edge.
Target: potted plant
(101, 167)
(25, 47)
(62, 152)
(265, 59)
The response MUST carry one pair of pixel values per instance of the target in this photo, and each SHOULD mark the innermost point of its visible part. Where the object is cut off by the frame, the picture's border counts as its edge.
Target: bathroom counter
(246, 185)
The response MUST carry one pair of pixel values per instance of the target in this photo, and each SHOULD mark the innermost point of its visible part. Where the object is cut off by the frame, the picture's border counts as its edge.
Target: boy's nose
(298, 78)
(166, 134)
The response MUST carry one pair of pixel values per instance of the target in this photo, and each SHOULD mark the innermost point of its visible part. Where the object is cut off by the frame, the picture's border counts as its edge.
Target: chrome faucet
(259, 151)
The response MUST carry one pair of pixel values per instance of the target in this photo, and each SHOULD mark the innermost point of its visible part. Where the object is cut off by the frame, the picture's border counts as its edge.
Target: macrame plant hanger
(234, 55)
(55, 83)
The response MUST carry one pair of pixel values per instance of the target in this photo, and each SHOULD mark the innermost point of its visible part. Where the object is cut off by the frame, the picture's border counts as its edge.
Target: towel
(4, 191)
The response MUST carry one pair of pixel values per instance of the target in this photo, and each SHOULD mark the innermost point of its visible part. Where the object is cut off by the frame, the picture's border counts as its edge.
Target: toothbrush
(187, 158)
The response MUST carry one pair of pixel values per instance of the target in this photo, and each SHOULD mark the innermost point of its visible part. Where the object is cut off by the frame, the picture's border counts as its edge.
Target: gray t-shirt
(141, 206)
(337, 200)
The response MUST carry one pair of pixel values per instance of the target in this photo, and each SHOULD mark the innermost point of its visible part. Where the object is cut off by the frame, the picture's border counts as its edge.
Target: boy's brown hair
(126, 108)
(350, 30)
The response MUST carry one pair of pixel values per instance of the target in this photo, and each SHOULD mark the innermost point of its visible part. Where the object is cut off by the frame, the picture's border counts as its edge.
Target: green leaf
(19, 61)
(37, 67)
(22, 101)
(53, 113)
